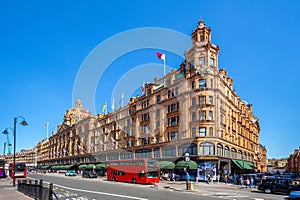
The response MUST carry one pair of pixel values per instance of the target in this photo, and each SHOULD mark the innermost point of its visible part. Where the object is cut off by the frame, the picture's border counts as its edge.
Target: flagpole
(165, 66)
(47, 129)
(106, 108)
(122, 99)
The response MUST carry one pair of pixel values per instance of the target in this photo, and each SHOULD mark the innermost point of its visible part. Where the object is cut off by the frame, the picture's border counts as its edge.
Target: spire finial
(201, 23)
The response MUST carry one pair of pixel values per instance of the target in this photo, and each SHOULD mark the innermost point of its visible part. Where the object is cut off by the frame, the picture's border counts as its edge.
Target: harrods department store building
(192, 109)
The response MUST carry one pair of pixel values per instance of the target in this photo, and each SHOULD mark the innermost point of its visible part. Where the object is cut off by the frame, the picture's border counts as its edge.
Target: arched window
(226, 152)
(248, 156)
(219, 150)
(187, 148)
(207, 148)
(251, 157)
(126, 155)
(146, 153)
(169, 152)
(233, 153)
(240, 154)
(245, 156)
(157, 152)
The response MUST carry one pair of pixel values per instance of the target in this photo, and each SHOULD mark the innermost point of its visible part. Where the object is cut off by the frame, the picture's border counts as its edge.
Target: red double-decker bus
(20, 170)
(144, 171)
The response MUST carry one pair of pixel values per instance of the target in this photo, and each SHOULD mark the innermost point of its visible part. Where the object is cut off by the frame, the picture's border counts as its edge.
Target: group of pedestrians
(240, 180)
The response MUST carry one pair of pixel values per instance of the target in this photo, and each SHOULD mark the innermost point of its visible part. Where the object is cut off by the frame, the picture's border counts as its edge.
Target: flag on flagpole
(121, 100)
(101, 145)
(104, 107)
(162, 57)
(112, 141)
(47, 126)
(143, 88)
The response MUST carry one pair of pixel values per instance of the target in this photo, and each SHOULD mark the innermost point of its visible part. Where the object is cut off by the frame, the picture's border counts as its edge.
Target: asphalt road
(77, 188)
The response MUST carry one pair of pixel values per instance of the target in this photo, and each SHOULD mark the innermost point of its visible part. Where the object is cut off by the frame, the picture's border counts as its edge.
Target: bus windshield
(153, 174)
(20, 167)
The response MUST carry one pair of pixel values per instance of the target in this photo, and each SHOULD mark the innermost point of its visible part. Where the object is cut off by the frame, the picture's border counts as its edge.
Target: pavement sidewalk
(199, 186)
(10, 192)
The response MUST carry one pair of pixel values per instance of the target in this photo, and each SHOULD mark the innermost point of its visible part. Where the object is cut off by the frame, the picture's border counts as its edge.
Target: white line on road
(104, 193)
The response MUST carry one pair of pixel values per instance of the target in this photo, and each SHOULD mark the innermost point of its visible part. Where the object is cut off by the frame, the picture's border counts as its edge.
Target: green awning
(90, 166)
(238, 163)
(248, 165)
(101, 166)
(182, 164)
(243, 164)
(82, 166)
(166, 165)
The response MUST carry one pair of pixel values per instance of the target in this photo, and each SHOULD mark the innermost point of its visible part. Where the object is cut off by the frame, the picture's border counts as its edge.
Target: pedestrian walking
(218, 178)
(251, 181)
(247, 183)
(208, 178)
(226, 178)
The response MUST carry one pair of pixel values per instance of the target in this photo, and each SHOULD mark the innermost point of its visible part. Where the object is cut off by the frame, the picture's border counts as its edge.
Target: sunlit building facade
(193, 109)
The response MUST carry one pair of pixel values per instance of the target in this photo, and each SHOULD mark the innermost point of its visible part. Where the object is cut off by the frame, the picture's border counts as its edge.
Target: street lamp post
(24, 123)
(187, 159)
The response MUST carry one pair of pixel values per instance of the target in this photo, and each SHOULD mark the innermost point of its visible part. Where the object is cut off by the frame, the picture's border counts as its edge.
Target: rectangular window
(202, 131)
(194, 116)
(202, 115)
(158, 99)
(192, 65)
(202, 60)
(172, 136)
(211, 100)
(194, 101)
(211, 83)
(202, 83)
(202, 100)
(210, 115)
(212, 62)
(211, 131)
(193, 132)
(193, 85)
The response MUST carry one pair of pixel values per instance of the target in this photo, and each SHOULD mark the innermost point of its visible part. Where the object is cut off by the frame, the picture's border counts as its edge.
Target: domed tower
(203, 55)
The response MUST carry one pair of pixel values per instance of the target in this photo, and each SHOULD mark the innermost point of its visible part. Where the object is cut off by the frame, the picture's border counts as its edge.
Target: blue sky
(43, 45)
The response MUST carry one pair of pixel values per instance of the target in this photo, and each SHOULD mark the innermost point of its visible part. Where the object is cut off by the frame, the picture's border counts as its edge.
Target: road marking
(104, 193)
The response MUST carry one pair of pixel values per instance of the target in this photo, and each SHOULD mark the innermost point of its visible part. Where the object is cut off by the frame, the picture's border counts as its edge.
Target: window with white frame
(207, 148)
(202, 115)
(202, 131)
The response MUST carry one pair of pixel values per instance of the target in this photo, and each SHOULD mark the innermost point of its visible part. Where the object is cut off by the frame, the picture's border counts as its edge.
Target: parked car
(88, 174)
(294, 195)
(70, 173)
(278, 185)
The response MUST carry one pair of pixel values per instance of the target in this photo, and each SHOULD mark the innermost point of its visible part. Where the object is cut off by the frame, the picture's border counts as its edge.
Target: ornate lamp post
(24, 123)
(187, 159)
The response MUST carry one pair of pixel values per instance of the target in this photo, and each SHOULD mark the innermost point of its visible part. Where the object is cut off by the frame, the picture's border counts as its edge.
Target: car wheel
(268, 191)
(114, 179)
(133, 180)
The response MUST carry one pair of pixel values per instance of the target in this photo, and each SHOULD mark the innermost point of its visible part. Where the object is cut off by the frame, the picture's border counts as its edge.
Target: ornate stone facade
(194, 109)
